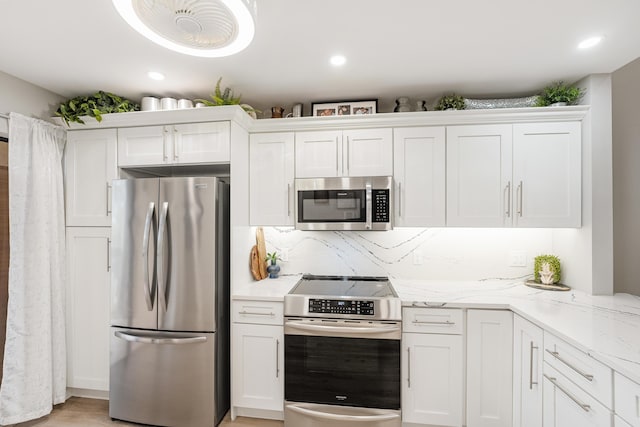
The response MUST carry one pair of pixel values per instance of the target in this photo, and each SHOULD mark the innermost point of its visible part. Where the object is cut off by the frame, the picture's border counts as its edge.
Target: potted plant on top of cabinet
(559, 94)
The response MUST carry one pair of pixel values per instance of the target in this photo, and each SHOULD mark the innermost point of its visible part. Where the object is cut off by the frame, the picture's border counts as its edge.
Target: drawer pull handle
(557, 356)
(446, 322)
(584, 406)
(253, 313)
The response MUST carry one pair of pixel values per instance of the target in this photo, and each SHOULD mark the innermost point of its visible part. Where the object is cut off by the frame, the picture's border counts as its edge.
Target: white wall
(22, 97)
(626, 178)
(587, 253)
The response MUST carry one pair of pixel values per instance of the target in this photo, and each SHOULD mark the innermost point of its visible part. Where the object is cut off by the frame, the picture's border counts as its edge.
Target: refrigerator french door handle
(162, 227)
(151, 340)
(145, 255)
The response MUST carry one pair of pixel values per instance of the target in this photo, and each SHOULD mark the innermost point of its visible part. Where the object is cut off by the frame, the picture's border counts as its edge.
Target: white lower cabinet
(567, 405)
(88, 284)
(257, 374)
(527, 373)
(489, 368)
(627, 401)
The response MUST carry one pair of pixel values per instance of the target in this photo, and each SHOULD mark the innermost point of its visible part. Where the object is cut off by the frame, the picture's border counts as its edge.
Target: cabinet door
(258, 367)
(318, 154)
(527, 373)
(271, 179)
(201, 142)
(567, 405)
(90, 165)
(432, 380)
(419, 175)
(547, 174)
(369, 152)
(489, 368)
(88, 281)
(144, 146)
(479, 175)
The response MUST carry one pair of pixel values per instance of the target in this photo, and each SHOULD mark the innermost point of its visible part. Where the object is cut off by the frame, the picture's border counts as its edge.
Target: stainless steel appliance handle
(152, 340)
(360, 330)
(277, 358)
(555, 354)
(531, 382)
(160, 254)
(108, 199)
(369, 207)
(145, 255)
(446, 322)
(553, 380)
(520, 191)
(508, 199)
(341, 417)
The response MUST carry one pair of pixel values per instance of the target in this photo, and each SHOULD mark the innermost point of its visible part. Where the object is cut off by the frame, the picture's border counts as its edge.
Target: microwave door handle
(369, 203)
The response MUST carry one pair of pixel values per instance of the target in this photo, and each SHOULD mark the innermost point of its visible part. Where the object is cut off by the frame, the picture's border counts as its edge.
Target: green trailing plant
(451, 102)
(272, 257)
(559, 92)
(225, 97)
(94, 106)
(554, 265)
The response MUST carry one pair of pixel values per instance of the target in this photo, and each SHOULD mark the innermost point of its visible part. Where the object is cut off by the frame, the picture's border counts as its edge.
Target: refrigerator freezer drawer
(164, 378)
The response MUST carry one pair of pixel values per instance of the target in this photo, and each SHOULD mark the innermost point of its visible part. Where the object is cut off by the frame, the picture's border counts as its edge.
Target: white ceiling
(415, 48)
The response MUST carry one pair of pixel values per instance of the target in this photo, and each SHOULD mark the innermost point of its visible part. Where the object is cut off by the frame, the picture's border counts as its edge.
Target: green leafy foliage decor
(273, 257)
(559, 92)
(554, 264)
(94, 106)
(451, 102)
(225, 97)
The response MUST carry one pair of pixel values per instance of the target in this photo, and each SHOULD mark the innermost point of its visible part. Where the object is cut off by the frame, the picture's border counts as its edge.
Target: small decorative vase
(273, 269)
(558, 104)
(420, 106)
(402, 105)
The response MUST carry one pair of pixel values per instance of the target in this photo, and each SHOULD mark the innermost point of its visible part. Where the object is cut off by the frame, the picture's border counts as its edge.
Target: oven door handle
(359, 330)
(341, 417)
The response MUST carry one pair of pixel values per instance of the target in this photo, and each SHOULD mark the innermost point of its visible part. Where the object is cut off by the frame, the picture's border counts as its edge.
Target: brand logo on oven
(341, 398)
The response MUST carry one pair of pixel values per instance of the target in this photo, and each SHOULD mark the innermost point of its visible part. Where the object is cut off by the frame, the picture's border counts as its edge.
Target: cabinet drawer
(257, 312)
(627, 399)
(589, 374)
(432, 320)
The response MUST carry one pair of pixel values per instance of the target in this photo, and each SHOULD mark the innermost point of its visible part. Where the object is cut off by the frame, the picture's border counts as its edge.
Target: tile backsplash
(410, 253)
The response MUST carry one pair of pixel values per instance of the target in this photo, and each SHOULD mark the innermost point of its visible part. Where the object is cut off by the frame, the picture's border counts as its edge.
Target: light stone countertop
(606, 327)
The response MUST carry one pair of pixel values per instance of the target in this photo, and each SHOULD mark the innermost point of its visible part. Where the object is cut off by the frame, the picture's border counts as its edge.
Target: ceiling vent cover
(209, 28)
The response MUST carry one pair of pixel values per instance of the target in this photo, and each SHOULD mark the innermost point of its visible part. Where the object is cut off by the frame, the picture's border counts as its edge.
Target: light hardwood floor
(80, 412)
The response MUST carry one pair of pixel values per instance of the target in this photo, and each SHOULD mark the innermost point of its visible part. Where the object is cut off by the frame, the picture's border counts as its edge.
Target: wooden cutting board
(254, 263)
(262, 252)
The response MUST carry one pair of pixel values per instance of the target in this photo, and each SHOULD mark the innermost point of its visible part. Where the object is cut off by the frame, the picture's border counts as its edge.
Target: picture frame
(344, 108)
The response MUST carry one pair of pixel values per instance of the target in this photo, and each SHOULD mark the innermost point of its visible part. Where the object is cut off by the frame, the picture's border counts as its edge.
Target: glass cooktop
(344, 286)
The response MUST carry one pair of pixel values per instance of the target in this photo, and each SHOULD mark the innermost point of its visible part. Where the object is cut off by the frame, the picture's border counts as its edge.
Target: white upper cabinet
(547, 174)
(271, 179)
(90, 166)
(479, 175)
(419, 176)
(174, 144)
(361, 152)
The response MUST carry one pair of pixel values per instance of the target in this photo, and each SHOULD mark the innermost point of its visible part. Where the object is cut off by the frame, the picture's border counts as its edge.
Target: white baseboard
(91, 394)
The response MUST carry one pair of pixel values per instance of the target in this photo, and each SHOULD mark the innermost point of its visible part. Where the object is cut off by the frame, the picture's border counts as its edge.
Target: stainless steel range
(342, 352)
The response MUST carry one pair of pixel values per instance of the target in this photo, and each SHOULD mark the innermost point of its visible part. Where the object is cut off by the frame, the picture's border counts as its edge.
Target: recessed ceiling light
(154, 75)
(590, 42)
(206, 28)
(337, 60)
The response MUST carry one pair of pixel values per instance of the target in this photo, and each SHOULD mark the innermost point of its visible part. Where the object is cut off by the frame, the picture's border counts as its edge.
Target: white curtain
(34, 369)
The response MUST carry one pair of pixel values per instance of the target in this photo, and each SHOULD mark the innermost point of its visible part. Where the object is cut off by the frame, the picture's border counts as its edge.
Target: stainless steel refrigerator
(169, 301)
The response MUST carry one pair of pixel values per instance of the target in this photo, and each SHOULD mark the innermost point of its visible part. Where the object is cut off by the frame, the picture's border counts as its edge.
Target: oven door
(343, 362)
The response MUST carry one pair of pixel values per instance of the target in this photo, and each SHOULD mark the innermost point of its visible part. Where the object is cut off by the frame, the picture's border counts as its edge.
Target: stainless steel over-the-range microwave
(350, 203)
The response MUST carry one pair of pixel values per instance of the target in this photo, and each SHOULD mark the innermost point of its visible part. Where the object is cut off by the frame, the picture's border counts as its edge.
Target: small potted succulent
(273, 269)
(451, 102)
(546, 269)
(558, 94)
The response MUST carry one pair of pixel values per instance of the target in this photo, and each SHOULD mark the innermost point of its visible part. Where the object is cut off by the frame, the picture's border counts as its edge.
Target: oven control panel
(336, 306)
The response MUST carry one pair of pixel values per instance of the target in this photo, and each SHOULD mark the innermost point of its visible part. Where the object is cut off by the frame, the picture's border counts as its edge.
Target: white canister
(169, 103)
(200, 105)
(185, 103)
(150, 103)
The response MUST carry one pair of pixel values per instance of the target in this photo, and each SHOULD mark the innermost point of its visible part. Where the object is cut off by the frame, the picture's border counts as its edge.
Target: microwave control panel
(333, 306)
(380, 205)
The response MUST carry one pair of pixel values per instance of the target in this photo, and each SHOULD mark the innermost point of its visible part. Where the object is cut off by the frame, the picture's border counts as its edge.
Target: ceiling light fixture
(337, 60)
(205, 28)
(590, 42)
(154, 75)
